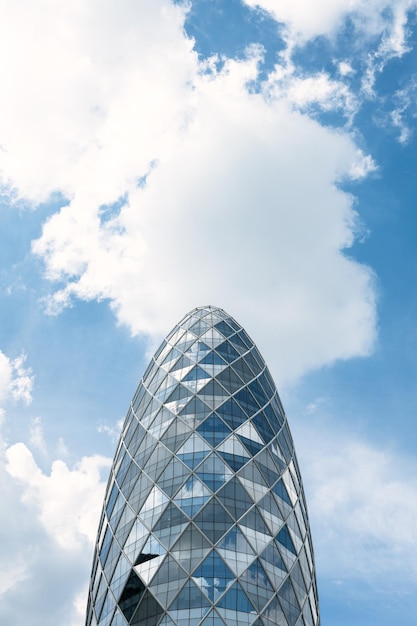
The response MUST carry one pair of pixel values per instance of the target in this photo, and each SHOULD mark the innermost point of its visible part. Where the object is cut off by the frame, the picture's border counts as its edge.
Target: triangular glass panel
(193, 451)
(195, 411)
(214, 430)
(171, 524)
(190, 597)
(213, 472)
(199, 328)
(286, 477)
(258, 393)
(230, 380)
(298, 583)
(272, 557)
(182, 363)
(270, 513)
(255, 530)
(176, 434)
(234, 461)
(231, 413)
(224, 328)
(233, 446)
(171, 517)
(153, 507)
(274, 418)
(213, 364)
(198, 351)
(267, 467)
(253, 447)
(213, 394)
(289, 602)
(248, 431)
(147, 569)
(273, 614)
(235, 599)
(238, 344)
(257, 585)
(158, 460)
(213, 576)
(227, 351)
(280, 490)
(263, 427)
(134, 543)
(247, 401)
(173, 477)
(192, 496)
(253, 363)
(277, 456)
(284, 538)
(161, 422)
(195, 379)
(191, 548)
(179, 393)
(234, 498)
(236, 551)
(255, 490)
(243, 370)
(214, 521)
(167, 581)
(149, 611)
(131, 595)
(212, 338)
(172, 356)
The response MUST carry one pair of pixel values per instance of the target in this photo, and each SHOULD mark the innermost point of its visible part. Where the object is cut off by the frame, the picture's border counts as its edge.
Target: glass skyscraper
(204, 519)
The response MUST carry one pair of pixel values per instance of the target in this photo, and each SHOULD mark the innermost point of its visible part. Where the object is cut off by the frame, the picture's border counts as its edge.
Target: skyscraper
(204, 519)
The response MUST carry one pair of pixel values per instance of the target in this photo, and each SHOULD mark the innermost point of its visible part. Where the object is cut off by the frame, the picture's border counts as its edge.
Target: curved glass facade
(204, 519)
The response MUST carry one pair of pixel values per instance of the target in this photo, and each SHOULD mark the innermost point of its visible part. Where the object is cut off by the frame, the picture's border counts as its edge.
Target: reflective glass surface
(204, 520)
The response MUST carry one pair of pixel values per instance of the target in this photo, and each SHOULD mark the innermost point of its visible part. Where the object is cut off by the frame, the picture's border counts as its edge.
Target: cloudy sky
(258, 155)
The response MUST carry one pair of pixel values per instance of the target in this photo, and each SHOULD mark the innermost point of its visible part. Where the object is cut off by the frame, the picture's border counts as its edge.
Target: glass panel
(236, 551)
(191, 548)
(234, 498)
(256, 584)
(227, 352)
(213, 472)
(214, 430)
(284, 538)
(131, 595)
(173, 477)
(192, 496)
(289, 602)
(148, 613)
(230, 380)
(231, 413)
(224, 328)
(213, 576)
(236, 600)
(189, 597)
(213, 521)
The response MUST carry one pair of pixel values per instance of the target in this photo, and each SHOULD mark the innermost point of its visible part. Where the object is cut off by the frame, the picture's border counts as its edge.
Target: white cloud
(68, 501)
(16, 381)
(89, 93)
(37, 439)
(242, 211)
(238, 204)
(363, 508)
(305, 20)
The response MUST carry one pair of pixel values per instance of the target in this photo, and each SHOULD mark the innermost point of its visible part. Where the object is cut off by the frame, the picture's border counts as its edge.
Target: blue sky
(256, 155)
